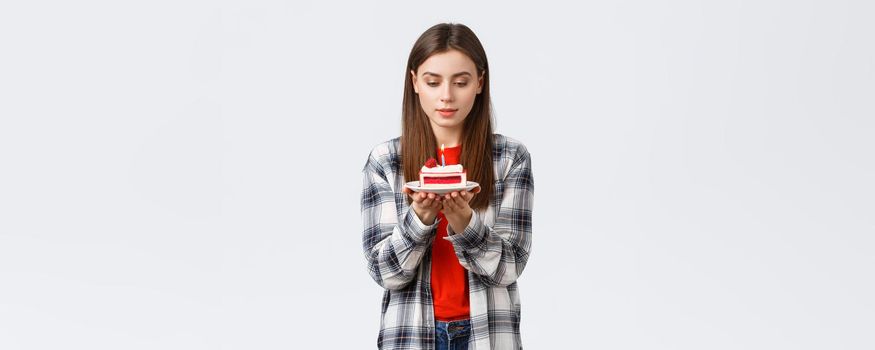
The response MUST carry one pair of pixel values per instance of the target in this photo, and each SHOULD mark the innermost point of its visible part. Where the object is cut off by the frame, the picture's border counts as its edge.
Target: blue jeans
(452, 335)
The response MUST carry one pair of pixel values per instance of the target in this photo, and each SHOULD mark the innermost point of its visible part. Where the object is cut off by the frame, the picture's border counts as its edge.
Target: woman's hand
(456, 209)
(425, 205)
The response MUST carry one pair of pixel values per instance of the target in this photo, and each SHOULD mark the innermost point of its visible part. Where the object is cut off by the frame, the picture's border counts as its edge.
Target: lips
(447, 112)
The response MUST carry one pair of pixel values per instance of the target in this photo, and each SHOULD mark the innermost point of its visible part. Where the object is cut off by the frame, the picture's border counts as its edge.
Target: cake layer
(441, 180)
(456, 168)
(436, 177)
(441, 186)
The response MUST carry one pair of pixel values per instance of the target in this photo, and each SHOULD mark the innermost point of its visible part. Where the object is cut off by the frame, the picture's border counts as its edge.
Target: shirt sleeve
(393, 244)
(498, 254)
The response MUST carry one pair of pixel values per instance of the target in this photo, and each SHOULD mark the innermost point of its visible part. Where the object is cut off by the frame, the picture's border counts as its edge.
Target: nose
(447, 94)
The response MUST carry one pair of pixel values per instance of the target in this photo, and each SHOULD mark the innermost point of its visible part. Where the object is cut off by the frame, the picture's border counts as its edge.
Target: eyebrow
(454, 75)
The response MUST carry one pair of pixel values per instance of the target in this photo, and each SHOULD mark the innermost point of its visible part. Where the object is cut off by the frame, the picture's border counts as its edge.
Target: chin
(449, 123)
(446, 123)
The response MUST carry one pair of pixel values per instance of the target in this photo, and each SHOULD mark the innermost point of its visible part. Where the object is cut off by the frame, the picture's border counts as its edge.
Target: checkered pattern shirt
(493, 249)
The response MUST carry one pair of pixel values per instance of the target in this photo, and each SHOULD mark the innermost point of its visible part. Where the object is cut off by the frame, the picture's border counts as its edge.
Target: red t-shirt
(449, 280)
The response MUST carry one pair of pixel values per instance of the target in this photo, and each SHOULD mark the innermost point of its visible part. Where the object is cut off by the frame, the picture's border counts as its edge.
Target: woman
(449, 263)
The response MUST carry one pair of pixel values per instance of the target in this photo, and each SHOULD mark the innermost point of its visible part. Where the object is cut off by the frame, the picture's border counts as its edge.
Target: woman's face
(447, 84)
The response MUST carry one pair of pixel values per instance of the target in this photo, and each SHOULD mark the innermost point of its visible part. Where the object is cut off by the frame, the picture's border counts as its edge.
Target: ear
(480, 82)
(413, 76)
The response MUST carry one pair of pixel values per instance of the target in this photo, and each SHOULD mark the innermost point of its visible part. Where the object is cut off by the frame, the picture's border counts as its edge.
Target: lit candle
(443, 161)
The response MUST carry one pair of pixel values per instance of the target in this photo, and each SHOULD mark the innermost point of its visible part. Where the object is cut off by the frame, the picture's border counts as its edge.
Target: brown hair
(418, 142)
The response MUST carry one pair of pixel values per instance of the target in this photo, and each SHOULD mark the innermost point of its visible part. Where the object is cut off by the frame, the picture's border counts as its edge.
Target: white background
(186, 174)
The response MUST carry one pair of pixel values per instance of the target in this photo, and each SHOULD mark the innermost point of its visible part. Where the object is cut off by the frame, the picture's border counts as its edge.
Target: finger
(467, 196)
(421, 196)
(436, 199)
(451, 204)
(457, 202)
(461, 203)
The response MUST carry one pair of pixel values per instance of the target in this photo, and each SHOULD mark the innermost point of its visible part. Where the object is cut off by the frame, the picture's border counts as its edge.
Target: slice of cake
(435, 176)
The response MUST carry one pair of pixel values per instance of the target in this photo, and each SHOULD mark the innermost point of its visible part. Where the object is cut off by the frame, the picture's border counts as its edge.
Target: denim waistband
(464, 322)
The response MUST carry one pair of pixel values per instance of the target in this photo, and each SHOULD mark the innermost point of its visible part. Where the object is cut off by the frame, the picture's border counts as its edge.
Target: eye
(462, 83)
(432, 84)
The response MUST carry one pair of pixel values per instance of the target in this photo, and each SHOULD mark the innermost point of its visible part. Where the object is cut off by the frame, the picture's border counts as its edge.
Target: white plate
(414, 185)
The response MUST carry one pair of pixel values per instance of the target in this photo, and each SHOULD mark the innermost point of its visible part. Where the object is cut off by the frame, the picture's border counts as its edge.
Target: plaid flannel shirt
(493, 249)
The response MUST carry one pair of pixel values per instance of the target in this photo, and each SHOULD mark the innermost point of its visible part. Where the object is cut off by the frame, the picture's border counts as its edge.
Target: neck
(449, 137)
